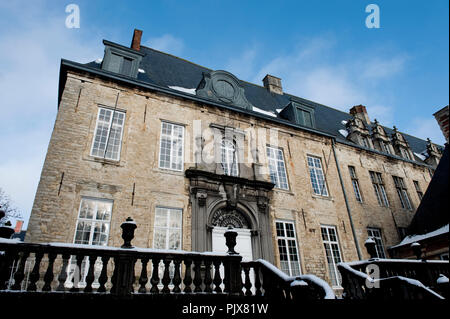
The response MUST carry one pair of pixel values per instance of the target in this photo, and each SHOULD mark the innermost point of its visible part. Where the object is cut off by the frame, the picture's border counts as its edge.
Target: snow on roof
(343, 122)
(413, 238)
(343, 132)
(181, 89)
(279, 110)
(141, 71)
(263, 112)
(99, 60)
(422, 157)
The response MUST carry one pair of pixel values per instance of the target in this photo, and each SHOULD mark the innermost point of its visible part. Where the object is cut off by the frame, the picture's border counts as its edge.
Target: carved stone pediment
(224, 87)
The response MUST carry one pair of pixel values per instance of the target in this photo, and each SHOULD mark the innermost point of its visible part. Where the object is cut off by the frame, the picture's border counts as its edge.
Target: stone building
(187, 151)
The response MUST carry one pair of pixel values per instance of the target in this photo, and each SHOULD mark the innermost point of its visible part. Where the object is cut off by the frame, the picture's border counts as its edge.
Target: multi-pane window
(92, 228)
(168, 228)
(404, 153)
(385, 147)
(333, 253)
(229, 157)
(418, 190)
(287, 247)
(355, 183)
(364, 141)
(277, 168)
(317, 178)
(171, 146)
(375, 233)
(378, 186)
(108, 134)
(93, 222)
(402, 192)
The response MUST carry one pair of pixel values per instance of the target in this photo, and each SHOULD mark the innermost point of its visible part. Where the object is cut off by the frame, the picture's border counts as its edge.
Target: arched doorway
(220, 220)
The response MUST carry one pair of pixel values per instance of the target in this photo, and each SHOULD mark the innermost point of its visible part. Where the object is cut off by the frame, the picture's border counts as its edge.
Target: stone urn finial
(370, 246)
(230, 240)
(6, 231)
(128, 228)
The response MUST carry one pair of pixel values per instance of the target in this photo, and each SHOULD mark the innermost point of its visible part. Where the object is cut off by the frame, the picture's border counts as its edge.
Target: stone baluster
(20, 274)
(103, 275)
(155, 276)
(208, 279)
(217, 280)
(176, 277)
(34, 276)
(197, 275)
(257, 280)
(247, 282)
(78, 273)
(187, 275)
(6, 262)
(166, 278)
(143, 278)
(90, 275)
(63, 274)
(48, 277)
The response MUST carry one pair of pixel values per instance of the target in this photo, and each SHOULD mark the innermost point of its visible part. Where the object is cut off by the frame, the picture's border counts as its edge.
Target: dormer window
(304, 117)
(364, 141)
(385, 147)
(121, 60)
(299, 113)
(404, 153)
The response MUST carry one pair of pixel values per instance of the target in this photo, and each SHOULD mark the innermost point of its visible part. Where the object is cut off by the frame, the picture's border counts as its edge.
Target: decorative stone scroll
(223, 87)
(225, 218)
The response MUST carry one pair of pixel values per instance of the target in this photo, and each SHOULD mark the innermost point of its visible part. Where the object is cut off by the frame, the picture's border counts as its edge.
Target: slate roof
(164, 70)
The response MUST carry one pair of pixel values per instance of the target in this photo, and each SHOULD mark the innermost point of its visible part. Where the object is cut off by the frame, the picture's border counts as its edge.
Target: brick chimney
(360, 112)
(441, 117)
(136, 42)
(273, 84)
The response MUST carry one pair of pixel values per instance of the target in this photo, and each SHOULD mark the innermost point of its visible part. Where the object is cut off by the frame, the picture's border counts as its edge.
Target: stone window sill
(169, 171)
(323, 197)
(103, 161)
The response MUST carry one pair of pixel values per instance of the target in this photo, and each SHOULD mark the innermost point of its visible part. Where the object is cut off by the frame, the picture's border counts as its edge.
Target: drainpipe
(346, 201)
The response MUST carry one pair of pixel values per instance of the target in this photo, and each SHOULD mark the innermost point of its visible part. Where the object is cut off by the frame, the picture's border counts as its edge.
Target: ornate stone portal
(222, 200)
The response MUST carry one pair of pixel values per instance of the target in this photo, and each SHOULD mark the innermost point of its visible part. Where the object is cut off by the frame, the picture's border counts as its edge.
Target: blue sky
(321, 50)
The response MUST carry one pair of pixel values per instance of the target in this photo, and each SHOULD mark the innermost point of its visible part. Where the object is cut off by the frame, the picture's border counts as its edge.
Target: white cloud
(166, 43)
(30, 56)
(426, 128)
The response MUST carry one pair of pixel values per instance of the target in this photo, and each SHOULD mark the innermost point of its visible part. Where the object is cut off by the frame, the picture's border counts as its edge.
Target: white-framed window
(93, 222)
(167, 228)
(355, 183)
(108, 134)
(375, 233)
(402, 192)
(317, 177)
(229, 157)
(287, 247)
(93, 225)
(333, 253)
(171, 153)
(277, 168)
(378, 186)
